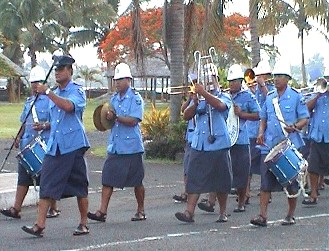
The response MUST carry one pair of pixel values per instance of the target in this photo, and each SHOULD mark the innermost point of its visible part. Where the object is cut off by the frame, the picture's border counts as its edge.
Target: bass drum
(232, 125)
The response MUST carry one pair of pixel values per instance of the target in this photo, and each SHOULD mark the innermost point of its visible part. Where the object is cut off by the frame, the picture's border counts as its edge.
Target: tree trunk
(254, 38)
(303, 58)
(176, 55)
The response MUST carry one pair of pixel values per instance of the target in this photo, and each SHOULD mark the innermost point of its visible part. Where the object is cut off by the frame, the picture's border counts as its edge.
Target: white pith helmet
(37, 74)
(235, 72)
(263, 67)
(282, 67)
(122, 70)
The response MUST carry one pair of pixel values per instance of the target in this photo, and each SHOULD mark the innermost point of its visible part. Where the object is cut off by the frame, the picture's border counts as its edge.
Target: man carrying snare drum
(36, 124)
(288, 106)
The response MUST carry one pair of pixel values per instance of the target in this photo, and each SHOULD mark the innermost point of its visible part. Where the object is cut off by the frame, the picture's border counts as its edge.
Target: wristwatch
(47, 91)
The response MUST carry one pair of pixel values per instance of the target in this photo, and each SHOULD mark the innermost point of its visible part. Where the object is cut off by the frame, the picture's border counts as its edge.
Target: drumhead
(277, 150)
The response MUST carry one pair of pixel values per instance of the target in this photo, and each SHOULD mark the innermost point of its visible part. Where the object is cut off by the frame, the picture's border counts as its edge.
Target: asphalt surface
(161, 230)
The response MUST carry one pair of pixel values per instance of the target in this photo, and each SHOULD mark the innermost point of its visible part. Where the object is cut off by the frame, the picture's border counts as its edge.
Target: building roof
(153, 67)
(9, 69)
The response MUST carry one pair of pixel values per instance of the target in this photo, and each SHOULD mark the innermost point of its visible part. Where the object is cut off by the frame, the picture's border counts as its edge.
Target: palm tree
(89, 75)
(277, 14)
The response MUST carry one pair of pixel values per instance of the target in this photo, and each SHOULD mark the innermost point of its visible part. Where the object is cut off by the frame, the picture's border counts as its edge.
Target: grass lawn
(10, 124)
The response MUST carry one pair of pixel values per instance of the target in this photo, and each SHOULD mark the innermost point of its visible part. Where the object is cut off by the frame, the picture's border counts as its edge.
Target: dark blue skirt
(254, 157)
(240, 155)
(123, 170)
(209, 172)
(24, 178)
(64, 176)
(187, 151)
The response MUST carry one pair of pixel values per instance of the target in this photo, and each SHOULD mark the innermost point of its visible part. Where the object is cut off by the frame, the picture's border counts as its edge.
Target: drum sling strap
(279, 115)
(35, 120)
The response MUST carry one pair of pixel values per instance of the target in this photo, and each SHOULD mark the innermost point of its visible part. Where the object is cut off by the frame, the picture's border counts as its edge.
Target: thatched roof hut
(153, 68)
(9, 69)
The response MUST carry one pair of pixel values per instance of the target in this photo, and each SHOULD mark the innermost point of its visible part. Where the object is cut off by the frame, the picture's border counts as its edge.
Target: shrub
(163, 140)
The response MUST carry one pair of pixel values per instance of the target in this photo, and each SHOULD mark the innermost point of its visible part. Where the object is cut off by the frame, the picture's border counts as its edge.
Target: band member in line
(318, 162)
(64, 171)
(36, 124)
(209, 168)
(188, 138)
(124, 165)
(289, 104)
(259, 86)
(246, 108)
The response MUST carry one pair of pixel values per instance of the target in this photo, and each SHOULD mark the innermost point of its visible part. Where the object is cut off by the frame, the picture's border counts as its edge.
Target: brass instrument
(181, 89)
(321, 86)
(250, 77)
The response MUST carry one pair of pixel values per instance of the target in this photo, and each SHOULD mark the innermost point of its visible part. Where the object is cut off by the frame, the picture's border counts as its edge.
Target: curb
(8, 190)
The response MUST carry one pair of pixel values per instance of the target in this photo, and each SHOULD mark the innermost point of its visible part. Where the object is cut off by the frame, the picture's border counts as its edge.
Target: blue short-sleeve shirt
(125, 139)
(202, 129)
(67, 132)
(293, 108)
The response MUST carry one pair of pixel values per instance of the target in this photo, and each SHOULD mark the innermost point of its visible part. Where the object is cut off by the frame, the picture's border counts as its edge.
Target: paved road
(161, 231)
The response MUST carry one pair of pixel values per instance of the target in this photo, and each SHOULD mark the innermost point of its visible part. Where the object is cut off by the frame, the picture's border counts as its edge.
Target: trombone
(320, 87)
(181, 89)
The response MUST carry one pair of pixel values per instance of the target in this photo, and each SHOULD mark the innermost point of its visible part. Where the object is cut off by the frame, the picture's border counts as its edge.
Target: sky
(287, 41)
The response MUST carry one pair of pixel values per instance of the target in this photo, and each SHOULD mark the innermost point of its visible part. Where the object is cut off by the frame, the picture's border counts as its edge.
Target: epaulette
(270, 92)
(294, 89)
(134, 91)
(76, 83)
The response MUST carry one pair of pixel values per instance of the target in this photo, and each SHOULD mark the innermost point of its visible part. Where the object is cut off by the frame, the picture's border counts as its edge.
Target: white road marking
(161, 237)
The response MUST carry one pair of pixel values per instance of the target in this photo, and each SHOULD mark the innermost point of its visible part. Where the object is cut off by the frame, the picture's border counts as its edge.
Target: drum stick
(296, 129)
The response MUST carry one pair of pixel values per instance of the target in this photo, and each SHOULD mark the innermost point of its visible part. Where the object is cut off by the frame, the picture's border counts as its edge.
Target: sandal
(11, 212)
(98, 216)
(206, 206)
(259, 221)
(222, 218)
(53, 213)
(139, 216)
(34, 230)
(180, 198)
(81, 230)
(185, 217)
(310, 201)
(289, 220)
(239, 209)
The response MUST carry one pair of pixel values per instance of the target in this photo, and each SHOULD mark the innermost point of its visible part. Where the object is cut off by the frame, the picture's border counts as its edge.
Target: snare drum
(32, 155)
(285, 162)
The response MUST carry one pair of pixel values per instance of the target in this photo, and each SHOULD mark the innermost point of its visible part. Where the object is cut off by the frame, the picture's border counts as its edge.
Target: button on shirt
(125, 139)
(248, 103)
(42, 111)
(319, 127)
(67, 132)
(202, 130)
(293, 108)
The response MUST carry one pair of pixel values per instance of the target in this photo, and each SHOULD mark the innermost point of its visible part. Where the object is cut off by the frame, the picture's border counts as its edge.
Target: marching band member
(124, 165)
(209, 168)
(188, 139)
(64, 169)
(289, 105)
(37, 123)
(319, 135)
(263, 85)
(246, 108)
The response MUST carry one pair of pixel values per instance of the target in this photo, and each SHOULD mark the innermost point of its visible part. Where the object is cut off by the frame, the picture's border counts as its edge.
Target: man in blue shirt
(64, 170)
(319, 137)
(36, 124)
(209, 166)
(291, 105)
(124, 164)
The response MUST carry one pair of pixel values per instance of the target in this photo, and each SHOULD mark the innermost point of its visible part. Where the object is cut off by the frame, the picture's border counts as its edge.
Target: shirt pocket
(72, 136)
